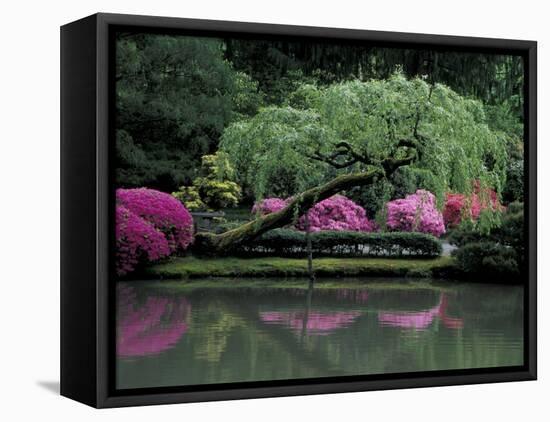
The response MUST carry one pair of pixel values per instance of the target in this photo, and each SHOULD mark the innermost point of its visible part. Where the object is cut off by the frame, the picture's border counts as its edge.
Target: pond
(176, 333)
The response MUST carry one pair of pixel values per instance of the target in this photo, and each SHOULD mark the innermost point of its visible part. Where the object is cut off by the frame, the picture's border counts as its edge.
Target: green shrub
(292, 243)
(488, 259)
(190, 197)
(213, 189)
(501, 252)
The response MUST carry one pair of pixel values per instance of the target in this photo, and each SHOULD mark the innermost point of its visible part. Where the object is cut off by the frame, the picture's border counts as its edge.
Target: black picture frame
(87, 321)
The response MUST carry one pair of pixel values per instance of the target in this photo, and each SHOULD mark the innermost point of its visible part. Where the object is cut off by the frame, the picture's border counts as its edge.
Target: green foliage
(513, 190)
(502, 118)
(491, 78)
(498, 252)
(488, 259)
(373, 198)
(292, 243)
(218, 194)
(268, 151)
(174, 96)
(272, 151)
(509, 232)
(190, 197)
(212, 189)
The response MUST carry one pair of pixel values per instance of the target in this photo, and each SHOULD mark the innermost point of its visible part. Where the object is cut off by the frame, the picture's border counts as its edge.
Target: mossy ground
(192, 267)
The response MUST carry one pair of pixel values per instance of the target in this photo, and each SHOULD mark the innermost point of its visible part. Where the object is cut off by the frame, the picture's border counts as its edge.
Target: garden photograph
(294, 209)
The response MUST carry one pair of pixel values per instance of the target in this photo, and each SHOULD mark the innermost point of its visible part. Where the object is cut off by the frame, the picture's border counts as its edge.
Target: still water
(171, 333)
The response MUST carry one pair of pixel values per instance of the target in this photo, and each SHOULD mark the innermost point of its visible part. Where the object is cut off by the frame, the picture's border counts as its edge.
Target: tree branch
(215, 244)
(343, 149)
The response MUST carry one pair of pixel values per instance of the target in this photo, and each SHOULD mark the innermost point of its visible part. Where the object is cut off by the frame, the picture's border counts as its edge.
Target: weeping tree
(327, 140)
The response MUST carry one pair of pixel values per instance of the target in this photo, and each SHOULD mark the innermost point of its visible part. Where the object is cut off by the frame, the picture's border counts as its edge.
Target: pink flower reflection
(422, 319)
(318, 323)
(149, 328)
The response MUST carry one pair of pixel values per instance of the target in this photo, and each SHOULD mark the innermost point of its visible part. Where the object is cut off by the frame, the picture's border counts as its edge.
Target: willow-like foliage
(277, 152)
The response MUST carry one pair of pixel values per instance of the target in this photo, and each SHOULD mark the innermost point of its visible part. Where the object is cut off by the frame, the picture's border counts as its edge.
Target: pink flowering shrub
(163, 211)
(459, 206)
(136, 241)
(337, 213)
(269, 206)
(415, 213)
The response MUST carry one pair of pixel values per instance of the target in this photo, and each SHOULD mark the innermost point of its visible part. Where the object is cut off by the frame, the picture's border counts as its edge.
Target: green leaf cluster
(213, 189)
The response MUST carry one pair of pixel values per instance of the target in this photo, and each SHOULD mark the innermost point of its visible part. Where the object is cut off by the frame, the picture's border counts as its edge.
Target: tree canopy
(495, 79)
(355, 126)
(175, 96)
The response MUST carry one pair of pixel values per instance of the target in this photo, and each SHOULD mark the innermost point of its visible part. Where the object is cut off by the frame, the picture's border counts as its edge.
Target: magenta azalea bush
(269, 205)
(337, 213)
(150, 225)
(163, 211)
(415, 213)
(136, 241)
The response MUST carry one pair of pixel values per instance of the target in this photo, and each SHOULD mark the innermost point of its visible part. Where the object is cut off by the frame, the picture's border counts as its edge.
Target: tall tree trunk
(208, 243)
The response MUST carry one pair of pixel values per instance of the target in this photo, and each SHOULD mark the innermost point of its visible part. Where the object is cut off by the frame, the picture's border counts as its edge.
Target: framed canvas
(253, 210)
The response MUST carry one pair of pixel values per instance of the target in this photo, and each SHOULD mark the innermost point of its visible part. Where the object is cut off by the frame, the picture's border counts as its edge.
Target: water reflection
(320, 323)
(317, 322)
(423, 319)
(218, 323)
(151, 327)
(172, 334)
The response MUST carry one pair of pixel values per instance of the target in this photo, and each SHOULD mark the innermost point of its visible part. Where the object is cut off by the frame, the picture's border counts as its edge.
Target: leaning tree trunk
(208, 243)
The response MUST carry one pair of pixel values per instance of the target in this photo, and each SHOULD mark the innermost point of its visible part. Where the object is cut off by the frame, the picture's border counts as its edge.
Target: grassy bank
(191, 267)
(301, 283)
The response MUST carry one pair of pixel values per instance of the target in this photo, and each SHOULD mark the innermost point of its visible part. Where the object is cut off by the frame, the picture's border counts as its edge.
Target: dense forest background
(177, 94)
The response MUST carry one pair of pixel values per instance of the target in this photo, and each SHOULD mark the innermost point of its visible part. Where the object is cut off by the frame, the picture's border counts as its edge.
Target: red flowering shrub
(415, 213)
(453, 209)
(136, 241)
(459, 206)
(163, 211)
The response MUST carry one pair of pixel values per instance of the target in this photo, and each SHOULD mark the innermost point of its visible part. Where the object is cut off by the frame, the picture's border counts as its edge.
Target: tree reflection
(421, 320)
(149, 328)
(217, 323)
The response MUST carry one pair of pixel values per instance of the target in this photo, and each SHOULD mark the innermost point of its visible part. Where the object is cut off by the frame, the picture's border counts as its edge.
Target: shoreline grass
(191, 267)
